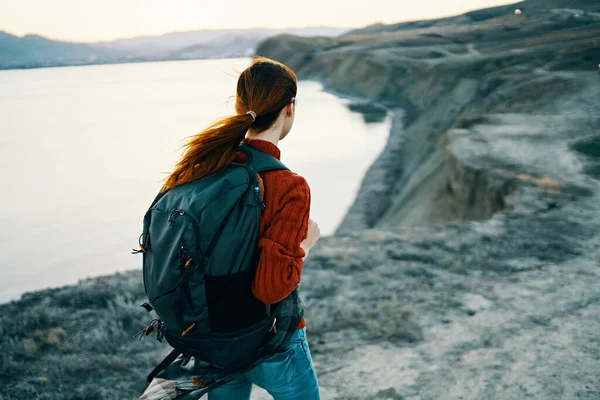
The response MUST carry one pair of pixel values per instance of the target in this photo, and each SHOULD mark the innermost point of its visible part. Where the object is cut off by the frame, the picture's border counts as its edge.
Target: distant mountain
(36, 51)
(33, 51)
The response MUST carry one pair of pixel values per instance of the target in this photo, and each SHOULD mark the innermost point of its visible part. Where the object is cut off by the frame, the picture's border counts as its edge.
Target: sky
(98, 20)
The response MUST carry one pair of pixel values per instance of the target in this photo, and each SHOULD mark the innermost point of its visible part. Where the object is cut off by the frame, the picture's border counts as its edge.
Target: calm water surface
(83, 151)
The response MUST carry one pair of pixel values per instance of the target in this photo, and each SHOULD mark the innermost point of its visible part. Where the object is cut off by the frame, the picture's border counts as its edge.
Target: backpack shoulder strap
(163, 364)
(260, 161)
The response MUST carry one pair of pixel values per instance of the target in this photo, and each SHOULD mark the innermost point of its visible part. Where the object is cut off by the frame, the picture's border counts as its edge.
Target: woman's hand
(313, 236)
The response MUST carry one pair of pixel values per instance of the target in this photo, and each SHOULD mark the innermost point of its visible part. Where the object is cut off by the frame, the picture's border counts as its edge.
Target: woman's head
(268, 89)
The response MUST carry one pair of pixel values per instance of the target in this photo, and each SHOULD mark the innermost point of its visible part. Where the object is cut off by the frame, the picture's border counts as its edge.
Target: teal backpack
(200, 252)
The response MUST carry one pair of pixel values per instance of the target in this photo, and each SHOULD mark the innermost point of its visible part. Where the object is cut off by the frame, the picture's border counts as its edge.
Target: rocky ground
(468, 267)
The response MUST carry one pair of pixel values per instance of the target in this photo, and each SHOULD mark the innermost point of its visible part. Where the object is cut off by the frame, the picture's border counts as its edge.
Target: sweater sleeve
(281, 258)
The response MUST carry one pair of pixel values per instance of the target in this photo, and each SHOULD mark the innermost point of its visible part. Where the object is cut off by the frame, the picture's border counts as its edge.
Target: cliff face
(448, 74)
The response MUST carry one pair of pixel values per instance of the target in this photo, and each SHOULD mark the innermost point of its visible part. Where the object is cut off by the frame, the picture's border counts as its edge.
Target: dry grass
(551, 185)
(77, 342)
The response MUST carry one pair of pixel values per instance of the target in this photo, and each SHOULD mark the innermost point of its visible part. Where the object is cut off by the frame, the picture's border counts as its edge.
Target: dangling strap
(144, 244)
(163, 364)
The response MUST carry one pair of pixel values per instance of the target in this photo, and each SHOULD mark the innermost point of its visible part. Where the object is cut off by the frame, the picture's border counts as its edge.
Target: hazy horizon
(74, 21)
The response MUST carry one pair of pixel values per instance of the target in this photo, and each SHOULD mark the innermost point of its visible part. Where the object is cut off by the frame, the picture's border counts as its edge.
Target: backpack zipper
(257, 191)
(192, 221)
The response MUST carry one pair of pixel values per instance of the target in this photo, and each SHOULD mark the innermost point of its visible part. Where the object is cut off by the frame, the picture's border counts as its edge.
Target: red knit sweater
(283, 226)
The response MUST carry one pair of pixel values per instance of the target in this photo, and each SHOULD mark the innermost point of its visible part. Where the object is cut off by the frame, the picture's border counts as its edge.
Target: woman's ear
(291, 106)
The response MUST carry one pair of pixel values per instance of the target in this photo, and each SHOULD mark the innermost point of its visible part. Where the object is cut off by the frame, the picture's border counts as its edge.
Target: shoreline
(118, 63)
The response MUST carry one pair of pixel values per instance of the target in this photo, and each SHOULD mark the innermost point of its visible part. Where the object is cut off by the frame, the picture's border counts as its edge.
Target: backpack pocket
(170, 265)
(231, 304)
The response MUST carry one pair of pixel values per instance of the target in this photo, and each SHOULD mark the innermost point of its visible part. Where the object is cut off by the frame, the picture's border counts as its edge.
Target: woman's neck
(270, 135)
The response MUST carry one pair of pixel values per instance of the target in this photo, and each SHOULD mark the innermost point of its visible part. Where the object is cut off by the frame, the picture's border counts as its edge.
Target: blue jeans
(289, 375)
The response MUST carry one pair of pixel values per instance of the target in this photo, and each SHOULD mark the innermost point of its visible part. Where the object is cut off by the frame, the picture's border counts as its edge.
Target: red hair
(265, 87)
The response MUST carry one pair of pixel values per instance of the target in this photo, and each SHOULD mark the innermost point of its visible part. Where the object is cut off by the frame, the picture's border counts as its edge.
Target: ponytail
(265, 87)
(210, 151)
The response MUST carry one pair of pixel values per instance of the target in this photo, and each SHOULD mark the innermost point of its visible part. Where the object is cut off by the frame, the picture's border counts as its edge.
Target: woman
(265, 106)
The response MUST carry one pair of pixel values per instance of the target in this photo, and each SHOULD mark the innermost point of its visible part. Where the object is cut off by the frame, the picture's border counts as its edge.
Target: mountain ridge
(35, 51)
